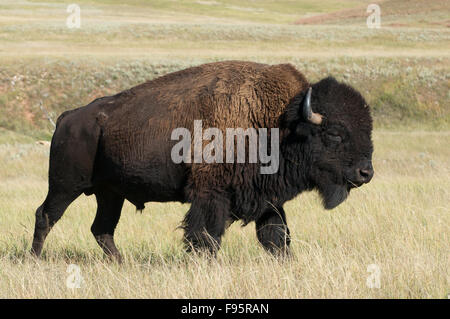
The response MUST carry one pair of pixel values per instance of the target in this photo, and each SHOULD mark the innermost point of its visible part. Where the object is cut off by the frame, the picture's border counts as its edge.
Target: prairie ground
(397, 227)
(400, 222)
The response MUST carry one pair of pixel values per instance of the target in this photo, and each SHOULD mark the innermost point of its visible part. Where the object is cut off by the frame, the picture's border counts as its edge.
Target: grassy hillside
(263, 11)
(402, 93)
(395, 13)
(402, 71)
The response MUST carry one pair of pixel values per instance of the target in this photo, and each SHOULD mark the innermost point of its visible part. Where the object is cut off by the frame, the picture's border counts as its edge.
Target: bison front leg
(109, 207)
(272, 230)
(205, 221)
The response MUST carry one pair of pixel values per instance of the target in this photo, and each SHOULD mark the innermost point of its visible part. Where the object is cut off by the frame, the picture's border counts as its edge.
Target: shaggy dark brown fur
(119, 147)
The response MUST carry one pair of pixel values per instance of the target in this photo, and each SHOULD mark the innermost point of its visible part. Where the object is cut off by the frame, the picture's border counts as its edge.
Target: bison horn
(308, 114)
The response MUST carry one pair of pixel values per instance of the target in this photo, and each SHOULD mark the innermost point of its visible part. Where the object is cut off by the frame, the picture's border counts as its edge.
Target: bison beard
(119, 147)
(333, 195)
(333, 191)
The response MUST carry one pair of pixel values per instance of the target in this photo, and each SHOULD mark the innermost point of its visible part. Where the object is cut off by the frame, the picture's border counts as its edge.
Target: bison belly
(141, 176)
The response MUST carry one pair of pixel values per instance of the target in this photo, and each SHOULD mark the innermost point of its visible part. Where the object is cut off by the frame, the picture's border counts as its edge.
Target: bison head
(329, 137)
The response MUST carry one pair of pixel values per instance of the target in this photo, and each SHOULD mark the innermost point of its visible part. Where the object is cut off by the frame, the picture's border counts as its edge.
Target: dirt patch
(28, 116)
(334, 16)
(388, 8)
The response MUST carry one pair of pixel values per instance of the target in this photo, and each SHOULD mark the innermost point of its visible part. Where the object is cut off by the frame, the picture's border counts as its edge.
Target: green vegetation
(403, 72)
(265, 11)
(403, 93)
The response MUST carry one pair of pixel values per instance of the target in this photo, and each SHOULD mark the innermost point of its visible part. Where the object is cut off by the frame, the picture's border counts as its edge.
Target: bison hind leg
(48, 214)
(204, 223)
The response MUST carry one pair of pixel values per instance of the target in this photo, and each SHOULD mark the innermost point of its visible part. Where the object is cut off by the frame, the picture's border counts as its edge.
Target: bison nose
(364, 175)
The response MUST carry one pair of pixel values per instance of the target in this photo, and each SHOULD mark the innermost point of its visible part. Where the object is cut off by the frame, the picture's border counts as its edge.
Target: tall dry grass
(399, 222)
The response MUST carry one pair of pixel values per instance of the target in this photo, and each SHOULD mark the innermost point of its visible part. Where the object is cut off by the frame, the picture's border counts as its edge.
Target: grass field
(399, 222)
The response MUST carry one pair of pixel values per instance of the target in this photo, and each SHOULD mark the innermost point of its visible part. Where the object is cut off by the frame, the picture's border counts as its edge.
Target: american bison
(119, 147)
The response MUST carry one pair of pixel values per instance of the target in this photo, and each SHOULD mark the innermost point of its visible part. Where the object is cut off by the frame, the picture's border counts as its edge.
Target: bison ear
(303, 131)
(308, 114)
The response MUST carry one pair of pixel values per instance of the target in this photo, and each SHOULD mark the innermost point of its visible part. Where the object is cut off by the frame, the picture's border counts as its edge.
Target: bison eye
(335, 137)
